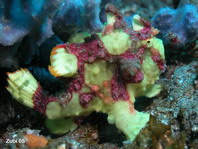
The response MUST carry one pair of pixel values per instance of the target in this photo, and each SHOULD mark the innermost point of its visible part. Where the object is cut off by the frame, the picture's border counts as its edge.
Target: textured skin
(108, 78)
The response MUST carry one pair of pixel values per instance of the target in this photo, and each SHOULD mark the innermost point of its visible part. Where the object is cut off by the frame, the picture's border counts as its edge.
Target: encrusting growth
(107, 72)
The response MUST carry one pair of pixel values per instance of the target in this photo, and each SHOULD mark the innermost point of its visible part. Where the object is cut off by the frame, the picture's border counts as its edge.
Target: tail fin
(22, 85)
(25, 89)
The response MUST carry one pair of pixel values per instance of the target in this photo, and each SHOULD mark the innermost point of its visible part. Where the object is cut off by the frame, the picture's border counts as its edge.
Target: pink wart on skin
(85, 98)
(118, 89)
(143, 34)
(139, 76)
(156, 57)
(108, 29)
(41, 99)
(146, 33)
